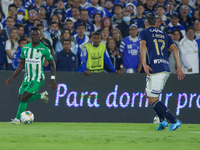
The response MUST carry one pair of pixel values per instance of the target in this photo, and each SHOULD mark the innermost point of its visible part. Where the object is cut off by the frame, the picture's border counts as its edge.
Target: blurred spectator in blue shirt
(3, 59)
(66, 60)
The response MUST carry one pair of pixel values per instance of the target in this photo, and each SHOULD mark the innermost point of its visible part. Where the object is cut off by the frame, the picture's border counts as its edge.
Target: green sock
(22, 107)
(34, 97)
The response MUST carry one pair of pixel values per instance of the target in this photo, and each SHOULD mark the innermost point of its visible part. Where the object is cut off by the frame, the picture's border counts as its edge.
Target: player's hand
(146, 69)
(118, 72)
(53, 84)
(122, 69)
(180, 73)
(87, 72)
(9, 81)
(190, 70)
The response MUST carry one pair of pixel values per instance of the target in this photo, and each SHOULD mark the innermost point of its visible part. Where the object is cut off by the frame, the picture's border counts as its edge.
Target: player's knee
(23, 99)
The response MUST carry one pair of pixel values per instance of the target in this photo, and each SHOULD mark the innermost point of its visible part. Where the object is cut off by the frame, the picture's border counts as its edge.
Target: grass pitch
(97, 136)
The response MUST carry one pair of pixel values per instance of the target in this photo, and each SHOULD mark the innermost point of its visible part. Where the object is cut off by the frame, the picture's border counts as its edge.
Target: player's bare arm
(52, 82)
(143, 52)
(17, 71)
(176, 57)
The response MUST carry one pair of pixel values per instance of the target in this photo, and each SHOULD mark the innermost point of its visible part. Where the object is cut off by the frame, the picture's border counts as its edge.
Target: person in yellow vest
(94, 55)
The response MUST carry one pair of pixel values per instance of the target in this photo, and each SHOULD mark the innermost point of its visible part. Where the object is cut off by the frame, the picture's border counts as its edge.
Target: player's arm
(178, 65)
(143, 52)
(17, 71)
(53, 74)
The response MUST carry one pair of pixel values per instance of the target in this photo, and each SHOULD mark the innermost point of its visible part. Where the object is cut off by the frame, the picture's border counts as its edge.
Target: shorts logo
(158, 61)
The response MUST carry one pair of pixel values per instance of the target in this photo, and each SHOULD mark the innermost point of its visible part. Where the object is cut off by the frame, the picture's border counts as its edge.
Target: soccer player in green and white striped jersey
(32, 57)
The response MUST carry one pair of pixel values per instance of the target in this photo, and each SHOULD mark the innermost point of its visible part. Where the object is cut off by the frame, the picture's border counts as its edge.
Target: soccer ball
(27, 117)
(156, 120)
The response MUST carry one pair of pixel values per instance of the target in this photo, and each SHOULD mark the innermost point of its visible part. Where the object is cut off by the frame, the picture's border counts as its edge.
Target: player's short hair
(66, 40)
(35, 29)
(40, 25)
(19, 42)
(118, 5)
(12, 5)
(140, 4)
(96, 33)
(53, 23)
(189, 29)
(150, 18)
(81, 24)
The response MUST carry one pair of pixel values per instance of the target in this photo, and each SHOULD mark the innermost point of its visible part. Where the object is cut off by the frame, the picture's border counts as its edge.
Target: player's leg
(153, 90)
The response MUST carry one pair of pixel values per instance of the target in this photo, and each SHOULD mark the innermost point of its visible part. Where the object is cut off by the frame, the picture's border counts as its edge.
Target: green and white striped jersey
(34, 60)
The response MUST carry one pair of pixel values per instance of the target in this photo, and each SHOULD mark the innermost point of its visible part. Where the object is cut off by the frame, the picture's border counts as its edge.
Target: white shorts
(155, 83)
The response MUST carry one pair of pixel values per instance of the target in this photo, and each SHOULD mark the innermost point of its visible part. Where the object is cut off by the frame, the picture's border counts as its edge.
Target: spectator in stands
(66, 60)
(196, 16)
(52, 33)
(160, 17)
(176, 36)
(185, 2)
(149, 7)
(116, 34)
(80, 40)
(106, 24)
(130, 51)
(16, 56)
(174, 24)
(29, 24)
(18, 3)
(3, 60)
(41, 15)
(97, 22)
(75, 14)
(169, 8)
(12, 11)
(139, 18)
(4, 5)
(61, 7)
(84, 3)
(20, 28)
(94, 55)
(49, 7)
(10, 22)
(65, 35)
(11, 46)
(131, 8)
(36, 22)
(70, 25)
(93, 8)
(197, 29)
(124, 26)
(117, 18)
(76, 3)
(184, 19)
(108, 8)
(60, 16)
(160, 2)
(35, 6)
(21, 14)
(55, 18)
(114, 54)
(84, 20)
(189, 48)
(104, 36)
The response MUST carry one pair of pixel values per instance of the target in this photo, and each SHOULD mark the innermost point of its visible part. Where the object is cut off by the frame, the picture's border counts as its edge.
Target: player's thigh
(33, 86)
(155, 84)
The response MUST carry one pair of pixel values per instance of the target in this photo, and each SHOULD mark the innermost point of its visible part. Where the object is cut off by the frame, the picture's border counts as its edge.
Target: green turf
(97, 136)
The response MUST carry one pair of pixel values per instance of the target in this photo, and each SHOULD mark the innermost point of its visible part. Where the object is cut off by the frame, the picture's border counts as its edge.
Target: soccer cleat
(162, 125)
(175, 126)
(14, 121)
(44, 96)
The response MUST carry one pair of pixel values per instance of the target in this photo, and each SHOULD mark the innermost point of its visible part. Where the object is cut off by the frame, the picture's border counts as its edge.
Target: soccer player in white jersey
(32, 57)
(154, 46)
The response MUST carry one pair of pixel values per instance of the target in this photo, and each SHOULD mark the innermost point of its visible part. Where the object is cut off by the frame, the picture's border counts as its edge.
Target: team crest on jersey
(37, 55)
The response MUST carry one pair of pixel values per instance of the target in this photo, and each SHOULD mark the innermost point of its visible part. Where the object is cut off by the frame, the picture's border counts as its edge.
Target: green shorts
(31, 87)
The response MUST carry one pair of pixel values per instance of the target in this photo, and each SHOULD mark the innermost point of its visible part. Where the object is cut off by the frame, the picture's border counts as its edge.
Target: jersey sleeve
(47, 54)
(142, 36)
(170, 41)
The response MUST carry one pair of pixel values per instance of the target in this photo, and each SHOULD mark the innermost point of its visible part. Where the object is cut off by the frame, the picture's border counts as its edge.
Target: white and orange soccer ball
(156, 120)
(27, 117)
